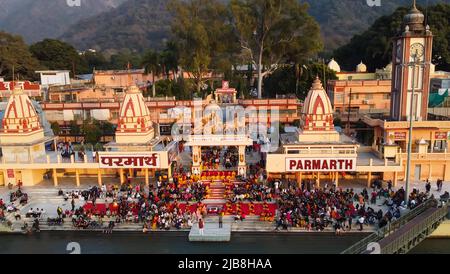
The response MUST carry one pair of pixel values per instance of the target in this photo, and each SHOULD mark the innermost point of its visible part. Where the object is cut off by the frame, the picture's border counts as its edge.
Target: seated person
(11, 208)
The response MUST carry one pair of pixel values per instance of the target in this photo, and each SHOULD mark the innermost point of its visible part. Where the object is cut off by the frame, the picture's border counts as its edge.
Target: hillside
(140, 24)
(39, 19)
(136, 24)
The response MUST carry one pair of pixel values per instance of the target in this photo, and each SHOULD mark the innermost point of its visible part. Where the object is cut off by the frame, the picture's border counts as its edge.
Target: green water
(55, 242)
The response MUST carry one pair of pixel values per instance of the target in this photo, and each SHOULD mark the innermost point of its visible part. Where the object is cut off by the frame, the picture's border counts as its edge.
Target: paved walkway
(45, 196)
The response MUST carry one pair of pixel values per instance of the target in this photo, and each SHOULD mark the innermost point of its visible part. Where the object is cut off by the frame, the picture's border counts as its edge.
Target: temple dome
(388, 68)
(317, 109)
(135, 125)
(361, 67)
(20, 114)
(414, 19)
(333, 65)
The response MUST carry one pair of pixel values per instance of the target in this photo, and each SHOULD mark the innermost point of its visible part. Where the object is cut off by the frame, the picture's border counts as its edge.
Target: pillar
(318, 180)
(122, 179)
(130, 172)
(242, 166)
(395, 178)
(99, 177)
(77, 177)
(55, 178)
(196, 159)
(369, 178)
(169, 172)
(297, 177)
(146, 177)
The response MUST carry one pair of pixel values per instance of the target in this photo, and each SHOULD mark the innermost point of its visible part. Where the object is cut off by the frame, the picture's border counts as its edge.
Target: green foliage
(296, 79)
(55, 55)
(15, 55)
(136, 25)
(75, 129)
(201, 29)
(121, 60)
(180, 89)
(274, 32)
(55, 127)
(374, 46)
(94, 60)
(94, 129)
(169, 57)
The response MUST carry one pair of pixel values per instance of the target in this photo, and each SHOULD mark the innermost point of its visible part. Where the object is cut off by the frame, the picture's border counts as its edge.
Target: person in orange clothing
(251, 208)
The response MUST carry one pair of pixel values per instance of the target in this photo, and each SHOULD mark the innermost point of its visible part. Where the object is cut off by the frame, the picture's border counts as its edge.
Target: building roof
(20, 114)
(414, 20)
(333, 65)
(134, 118)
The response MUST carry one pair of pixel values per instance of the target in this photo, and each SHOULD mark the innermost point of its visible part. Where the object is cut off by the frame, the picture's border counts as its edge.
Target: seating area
(259, 209)
(218, 175)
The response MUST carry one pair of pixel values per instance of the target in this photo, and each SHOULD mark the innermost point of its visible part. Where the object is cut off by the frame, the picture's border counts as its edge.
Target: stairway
(216, 190)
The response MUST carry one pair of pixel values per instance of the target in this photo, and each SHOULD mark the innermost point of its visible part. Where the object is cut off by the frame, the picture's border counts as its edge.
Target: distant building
(54, 77)
(359, 92)
(31, 89)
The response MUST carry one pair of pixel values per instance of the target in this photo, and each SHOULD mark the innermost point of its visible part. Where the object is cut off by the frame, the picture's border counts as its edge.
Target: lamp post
(415, 63)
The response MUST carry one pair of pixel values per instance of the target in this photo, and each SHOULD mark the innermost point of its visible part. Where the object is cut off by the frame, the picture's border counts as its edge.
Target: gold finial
(414, 4)
(317, 84)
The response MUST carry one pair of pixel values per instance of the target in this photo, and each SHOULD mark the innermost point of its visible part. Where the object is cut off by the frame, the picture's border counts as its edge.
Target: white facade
(54, 77)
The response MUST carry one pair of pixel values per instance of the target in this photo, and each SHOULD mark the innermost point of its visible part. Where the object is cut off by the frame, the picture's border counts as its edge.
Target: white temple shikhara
(22, 137)
(134, 119)
(317, 147)
(135, 146)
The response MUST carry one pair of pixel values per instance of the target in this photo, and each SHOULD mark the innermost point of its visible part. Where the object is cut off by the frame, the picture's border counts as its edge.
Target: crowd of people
(318, 208)
(249, 191)
(157, 208)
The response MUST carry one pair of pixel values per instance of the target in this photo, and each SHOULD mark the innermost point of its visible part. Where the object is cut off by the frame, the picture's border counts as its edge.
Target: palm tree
(169, 59)
(152, 64)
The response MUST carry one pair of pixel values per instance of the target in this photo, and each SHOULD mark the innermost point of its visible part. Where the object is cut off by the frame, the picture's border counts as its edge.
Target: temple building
(318, 151)
(22, 139)
(429, 138)
(136, 147)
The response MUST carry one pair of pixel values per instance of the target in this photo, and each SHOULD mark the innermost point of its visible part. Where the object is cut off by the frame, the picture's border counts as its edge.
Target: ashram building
(316, 150)
(26, 159)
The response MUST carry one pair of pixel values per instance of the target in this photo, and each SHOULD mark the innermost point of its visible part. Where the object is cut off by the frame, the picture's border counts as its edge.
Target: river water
(55, 242)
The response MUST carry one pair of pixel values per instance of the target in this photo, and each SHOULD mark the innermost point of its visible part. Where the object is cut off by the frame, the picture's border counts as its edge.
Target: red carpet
(245, 208)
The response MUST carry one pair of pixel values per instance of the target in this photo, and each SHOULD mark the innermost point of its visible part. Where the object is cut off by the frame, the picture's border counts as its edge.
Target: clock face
(417, 49)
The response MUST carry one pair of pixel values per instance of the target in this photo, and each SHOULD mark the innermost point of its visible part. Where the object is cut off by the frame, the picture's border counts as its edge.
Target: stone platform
(211, 233)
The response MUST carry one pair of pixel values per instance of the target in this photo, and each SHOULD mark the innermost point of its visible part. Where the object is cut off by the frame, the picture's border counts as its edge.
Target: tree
(55, 127)
(92, 131)
(74, 128)
(287, 80)
(15, 55)
(56, 55)
(93, 60)
(169, 59)
(273, 32)
(200, 28)
(152, 64)
(374, 46)
(122, 59)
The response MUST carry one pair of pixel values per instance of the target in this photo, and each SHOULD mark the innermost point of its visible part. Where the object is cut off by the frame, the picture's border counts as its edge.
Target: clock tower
(414, 42)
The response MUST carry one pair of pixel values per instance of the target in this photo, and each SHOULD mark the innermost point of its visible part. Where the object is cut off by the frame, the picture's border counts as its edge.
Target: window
(355, 96)
(369, 96)
(386, 96)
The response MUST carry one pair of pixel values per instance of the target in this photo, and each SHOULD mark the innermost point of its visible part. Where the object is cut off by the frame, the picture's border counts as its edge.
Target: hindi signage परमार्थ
(148, 160)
